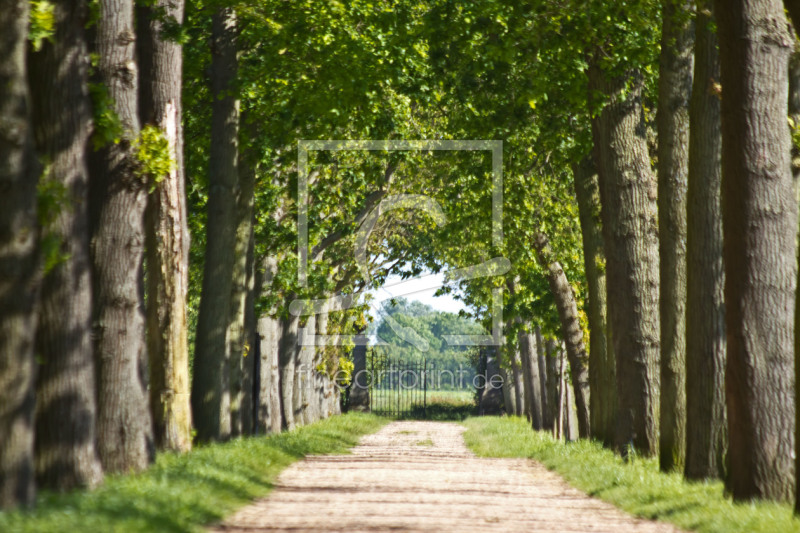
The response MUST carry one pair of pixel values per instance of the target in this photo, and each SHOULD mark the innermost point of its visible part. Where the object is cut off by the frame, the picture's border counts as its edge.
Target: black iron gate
(399, 388)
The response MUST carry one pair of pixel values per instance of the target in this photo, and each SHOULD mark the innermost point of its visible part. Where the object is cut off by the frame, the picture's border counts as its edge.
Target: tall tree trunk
(630, 231)
(570, 328)
(210, 380)
(249, 395)
(269, 333)
(240, 288)
(706, 428)
(117, 206)
(304, 373)
(547, 404)
(551, 366)
(509, 405)
(672, 120)
(66, 407)
(759, 228)
(602, 381)
(19, 261)
(519, 393)
(166, 231)
(286, 359)
(793, 9)
(530, 370)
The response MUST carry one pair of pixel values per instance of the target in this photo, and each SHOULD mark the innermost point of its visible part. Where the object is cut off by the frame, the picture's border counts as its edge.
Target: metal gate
(399, 388)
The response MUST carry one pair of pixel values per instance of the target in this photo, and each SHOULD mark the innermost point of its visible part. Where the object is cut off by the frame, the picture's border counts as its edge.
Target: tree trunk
(66, 409)
(672, 120)
(210, 380)
(602, 382)
(117, 205)
(570, 328)
(530, 370)
(304, 374)
(630, 231)
(166, 231)
(240, 289)
(19, 262)
(551, 364)
(759, 229)
(269, 333)
(249, 368)
(706, 429)
(519, 393)
(509, 405)
(547, 404)
(286, 358)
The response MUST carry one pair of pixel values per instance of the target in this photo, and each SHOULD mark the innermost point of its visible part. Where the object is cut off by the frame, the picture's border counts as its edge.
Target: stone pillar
(359, 389)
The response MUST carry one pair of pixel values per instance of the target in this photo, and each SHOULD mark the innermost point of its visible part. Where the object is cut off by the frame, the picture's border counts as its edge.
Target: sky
(420, 289)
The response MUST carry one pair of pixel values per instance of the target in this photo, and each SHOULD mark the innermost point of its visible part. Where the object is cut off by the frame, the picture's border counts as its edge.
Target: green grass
(185, 492)
(636, 487)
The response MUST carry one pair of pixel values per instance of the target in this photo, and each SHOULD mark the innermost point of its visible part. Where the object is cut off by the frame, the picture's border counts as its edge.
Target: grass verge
(637, 487)
(185, 492)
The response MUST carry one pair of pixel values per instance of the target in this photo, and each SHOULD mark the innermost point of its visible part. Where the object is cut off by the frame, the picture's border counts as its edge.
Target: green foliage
(152, 152)
(42, 23)
(107, 124)
(421, 337)
(636, 487)
(185, 492)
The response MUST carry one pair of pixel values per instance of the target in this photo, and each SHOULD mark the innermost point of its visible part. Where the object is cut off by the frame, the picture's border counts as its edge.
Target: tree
(705, 277)
(167, 235)
(672, 120)
(19, 262)
(570, 329)
(118, 197)
(630, 230)
(66, 408)
(602, 382)
(210, 380)
(759, 230)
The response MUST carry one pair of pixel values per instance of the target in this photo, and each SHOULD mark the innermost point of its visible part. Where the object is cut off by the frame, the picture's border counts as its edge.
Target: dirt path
(419, 476)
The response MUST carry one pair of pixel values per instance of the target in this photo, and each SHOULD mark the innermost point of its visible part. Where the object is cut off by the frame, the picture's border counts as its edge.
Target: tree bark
(570, 328)
(286, 359)
(240, 289)
(552, 367)
(672, 120)
(210, 379)
(706, 431)
(166, 231)
(66, 407)
(519, 393)
(19, 262)
(269, 333)
(509, 405)
(117, 205)
(530, 370)
(759, 229)
(630, 231)
(547, 404)
(304, 374)
(249, 364)
(602, 381)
